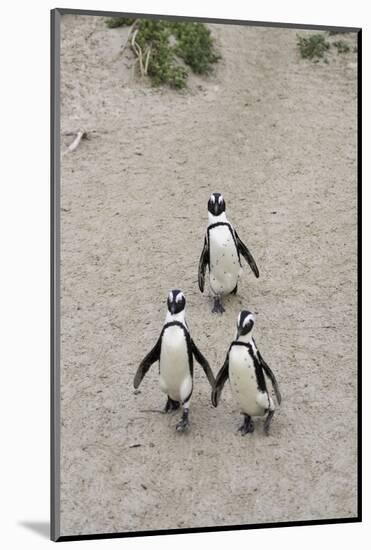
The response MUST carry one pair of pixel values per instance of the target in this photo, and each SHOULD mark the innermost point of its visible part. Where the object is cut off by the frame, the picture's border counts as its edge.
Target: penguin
(247, 372)
(175, 351)
(222, 254)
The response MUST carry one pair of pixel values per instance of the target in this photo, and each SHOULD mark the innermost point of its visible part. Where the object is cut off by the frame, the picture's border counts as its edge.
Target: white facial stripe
(179, 297)
(212, 199)
(220, 199)
(239, 319)
(171, 297)
(247, 319)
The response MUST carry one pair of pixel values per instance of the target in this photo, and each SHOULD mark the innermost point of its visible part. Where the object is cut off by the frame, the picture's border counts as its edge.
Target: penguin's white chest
(244, 384)
(175, 375)
(224, 264)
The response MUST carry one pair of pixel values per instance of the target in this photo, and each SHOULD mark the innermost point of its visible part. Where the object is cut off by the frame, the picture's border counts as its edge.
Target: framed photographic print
(205, 274)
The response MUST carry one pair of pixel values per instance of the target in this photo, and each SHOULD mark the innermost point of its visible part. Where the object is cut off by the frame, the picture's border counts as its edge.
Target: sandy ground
(277, 136)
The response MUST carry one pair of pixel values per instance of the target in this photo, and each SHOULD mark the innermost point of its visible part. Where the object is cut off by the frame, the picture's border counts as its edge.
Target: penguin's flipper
(268, 371)
(204, 363)
(204, 261)
(242, 249)
(150, 358)
(221, 379)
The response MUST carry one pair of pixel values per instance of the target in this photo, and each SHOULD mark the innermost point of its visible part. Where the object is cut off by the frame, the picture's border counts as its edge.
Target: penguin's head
(245, 323)
(176, 301)
(216, 204)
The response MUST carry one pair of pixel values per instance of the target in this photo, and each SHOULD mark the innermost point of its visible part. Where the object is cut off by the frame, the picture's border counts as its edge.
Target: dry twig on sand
(138, 51)
(148, 52)
(142, 57)
(76, 142)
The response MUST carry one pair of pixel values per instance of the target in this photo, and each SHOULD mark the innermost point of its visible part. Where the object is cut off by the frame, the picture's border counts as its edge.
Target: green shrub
(195, 46)
(165, 43)
(114, 22)
(313, 47)
(341, 46)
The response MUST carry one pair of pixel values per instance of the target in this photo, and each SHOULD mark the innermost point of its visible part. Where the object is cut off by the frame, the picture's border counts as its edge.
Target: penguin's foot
(218, 308)
(247, 426)
(268, 421)
(183, 424)
(171, 406)
(234, 291)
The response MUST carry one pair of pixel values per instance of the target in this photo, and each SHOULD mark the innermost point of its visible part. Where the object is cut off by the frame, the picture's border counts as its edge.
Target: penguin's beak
(239, 329)
(172, 308)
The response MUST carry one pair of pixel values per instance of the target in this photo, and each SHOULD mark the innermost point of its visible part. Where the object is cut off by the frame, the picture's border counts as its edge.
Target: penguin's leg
(185, 394)
(218, 308)
(184, 421)
(268, 421)
(171, 405)
(247, 426)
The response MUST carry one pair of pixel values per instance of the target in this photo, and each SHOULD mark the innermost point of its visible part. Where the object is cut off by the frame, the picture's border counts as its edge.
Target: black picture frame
(55, 275)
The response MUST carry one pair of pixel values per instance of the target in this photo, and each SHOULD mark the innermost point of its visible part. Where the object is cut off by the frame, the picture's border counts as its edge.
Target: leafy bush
(341, 46)
(114, 22)
(162, 44)
(195, 46)
(313, 47)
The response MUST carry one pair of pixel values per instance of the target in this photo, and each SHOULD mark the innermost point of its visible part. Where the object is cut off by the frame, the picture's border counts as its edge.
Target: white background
(24, 253)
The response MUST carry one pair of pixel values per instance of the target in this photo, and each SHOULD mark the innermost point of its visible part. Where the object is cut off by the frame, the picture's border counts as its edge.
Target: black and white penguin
(247, 371)
(175, 350)
(222, 254)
